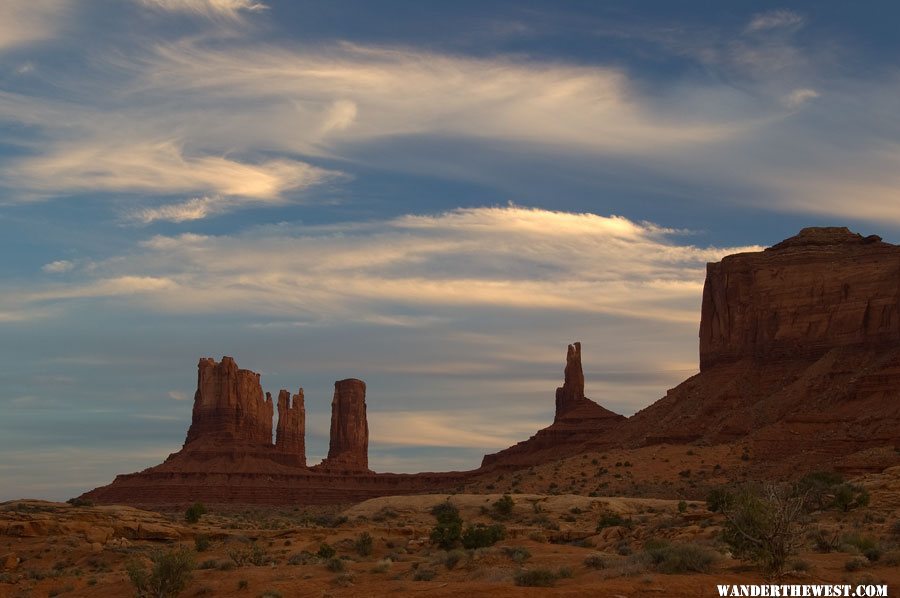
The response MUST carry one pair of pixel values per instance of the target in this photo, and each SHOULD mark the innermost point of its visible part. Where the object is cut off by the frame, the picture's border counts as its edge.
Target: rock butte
(799, 364)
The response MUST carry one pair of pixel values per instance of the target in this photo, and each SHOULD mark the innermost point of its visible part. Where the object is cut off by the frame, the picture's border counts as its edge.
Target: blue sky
(434, 197)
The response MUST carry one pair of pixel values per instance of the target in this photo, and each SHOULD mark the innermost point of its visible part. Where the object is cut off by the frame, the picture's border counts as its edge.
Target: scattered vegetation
(170, 573)
(448, 531)
(678, 558)
(764, 525)
(195, 512)
(482, 536)
(363, 544)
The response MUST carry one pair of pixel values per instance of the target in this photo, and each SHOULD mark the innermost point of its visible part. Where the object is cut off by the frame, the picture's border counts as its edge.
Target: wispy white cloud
(776, 19)
(58, 266)
(229, 9)
(508, 257)
(178, 395)
(800, 96)
(26, 21)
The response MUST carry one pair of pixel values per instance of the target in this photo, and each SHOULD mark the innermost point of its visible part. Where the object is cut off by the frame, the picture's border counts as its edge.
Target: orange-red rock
(290, 435)
(349, 446)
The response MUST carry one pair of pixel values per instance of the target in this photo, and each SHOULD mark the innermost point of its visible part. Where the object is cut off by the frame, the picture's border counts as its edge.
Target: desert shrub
(895, 529)
(864, 545)
(502, 507)
(448, 531)
(382, 566)
(255, 555)
(595, 561)
(453, 558)
(891, 559)
(168, 576)
(344, 580)
(482, 536)
(610, 519)
(57, 591)
(848, 497)
(202, 543)
(678, 558)
(800, 565)
(329, 520)
(825, 541)
(719, 499)
(536, 578)
(209, 564)
(326, 551)
(363, 544)
(517, 553)
(682, 506)
(384, 514)
(194, 512)
(302, 558)
(763, 525)
(423, 574)
(855, 564)
(243, 584)
(227, 566)
(335, 565)
(80, 502)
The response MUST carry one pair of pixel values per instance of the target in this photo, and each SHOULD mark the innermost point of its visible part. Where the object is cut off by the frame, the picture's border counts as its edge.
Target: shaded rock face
(290, 433)
(349, 446)
(821, 289)
(571, 393)
(229, 407)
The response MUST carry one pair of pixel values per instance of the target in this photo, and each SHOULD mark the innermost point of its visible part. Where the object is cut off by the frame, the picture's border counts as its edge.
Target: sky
(435, 197)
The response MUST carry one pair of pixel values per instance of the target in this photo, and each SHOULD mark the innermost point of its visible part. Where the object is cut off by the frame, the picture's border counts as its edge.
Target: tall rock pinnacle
(571, 393)
(349, 446)
(289, 435)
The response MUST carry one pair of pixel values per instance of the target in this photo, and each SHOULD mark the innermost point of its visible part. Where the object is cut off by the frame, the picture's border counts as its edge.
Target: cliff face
(799, 354)
(349, 446)
(821, 289)
(229, 407)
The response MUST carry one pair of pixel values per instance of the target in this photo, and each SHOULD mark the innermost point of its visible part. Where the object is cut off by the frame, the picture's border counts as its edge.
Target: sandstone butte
(799, 365)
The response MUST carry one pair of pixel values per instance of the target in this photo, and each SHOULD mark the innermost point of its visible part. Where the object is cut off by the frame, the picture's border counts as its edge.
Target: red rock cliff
(349, 446)
(821, 289)
(229, 407)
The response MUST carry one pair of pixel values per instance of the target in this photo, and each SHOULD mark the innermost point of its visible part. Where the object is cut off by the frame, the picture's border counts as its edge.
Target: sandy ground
(50, 549)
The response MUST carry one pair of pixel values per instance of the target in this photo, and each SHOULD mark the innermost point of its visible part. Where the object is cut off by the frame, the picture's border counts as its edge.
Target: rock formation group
(799, 363)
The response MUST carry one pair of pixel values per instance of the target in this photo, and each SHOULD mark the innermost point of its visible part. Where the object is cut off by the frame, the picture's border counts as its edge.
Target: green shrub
(194, 512)
(80, 502)
(855, 564)
(423, 574)
(848, 497)
(243, 584)
(678, 558)
(363, 544)
(382, 566)
(448, 531)
(503, 507)
(610, 519)
(482, 536)
(168, 576)
(682, 506)
(595, 561)
(824, 541)
(453, 558)
(335, 565)
(326, 551)
(764, 525)
(202, 543)
(517, 553)
(536, 578)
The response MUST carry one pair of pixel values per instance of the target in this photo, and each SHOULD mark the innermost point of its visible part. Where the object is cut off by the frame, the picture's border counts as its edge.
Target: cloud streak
(502, 257)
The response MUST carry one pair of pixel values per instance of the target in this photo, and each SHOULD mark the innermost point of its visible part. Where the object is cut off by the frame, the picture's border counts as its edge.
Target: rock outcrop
(577, 420)
(290, 435)
(349, 446)
(571, 394)
(229, 407)
(799, 357)
(821, 289)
